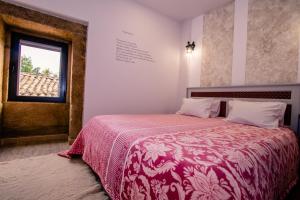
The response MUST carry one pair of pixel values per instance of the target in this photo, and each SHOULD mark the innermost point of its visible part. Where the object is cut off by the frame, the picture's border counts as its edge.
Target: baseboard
(37, 139)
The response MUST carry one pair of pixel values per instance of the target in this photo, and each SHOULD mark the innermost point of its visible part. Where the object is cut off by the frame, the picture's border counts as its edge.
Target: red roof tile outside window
(38, 85)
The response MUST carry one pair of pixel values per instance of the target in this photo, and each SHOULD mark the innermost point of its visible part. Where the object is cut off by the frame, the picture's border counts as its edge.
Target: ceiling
(183, 9)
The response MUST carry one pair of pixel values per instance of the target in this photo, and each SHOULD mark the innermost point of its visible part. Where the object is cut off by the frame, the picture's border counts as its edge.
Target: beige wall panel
(273, 41)
(217, 47)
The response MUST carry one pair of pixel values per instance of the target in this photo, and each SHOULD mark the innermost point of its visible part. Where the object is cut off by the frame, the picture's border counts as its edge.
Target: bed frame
(283, 93)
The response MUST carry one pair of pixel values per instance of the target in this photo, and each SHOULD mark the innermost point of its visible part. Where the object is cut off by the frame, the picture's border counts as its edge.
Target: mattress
(183, 157)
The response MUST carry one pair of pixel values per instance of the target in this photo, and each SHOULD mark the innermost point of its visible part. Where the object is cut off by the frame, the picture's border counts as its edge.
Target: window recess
(38, 69)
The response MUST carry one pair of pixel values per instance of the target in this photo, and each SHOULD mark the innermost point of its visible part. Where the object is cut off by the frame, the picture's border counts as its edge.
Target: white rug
(48, 177)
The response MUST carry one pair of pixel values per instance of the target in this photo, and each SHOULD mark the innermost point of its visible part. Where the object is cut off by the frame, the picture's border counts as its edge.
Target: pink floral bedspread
(180, 157)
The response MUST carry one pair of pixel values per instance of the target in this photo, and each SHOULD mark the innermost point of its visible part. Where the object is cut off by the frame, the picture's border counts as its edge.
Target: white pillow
(215, 108)
(261, 114)
(200, 107)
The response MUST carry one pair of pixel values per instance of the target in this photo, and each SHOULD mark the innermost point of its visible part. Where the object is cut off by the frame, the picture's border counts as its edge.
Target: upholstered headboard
(284, 93)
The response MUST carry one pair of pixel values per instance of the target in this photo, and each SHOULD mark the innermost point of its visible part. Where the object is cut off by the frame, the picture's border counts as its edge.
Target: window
(38, 69)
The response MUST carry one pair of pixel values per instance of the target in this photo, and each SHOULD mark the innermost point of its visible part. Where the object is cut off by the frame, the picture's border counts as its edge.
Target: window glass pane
(39, 70)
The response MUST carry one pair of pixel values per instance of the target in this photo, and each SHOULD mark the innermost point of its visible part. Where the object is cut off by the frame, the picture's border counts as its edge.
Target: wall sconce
(190, 47)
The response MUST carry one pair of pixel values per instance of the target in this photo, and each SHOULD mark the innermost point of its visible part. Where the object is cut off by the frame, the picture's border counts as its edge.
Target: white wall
(183, 79)
(190, 65)
(240, 42)
(191, 30)
(112, 86)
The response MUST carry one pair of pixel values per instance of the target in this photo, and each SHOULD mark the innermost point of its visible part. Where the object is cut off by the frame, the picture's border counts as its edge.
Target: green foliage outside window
(26, 64)
(27, 67)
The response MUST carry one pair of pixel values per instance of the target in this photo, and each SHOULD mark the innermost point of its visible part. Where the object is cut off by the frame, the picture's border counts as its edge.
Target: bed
(183, 157)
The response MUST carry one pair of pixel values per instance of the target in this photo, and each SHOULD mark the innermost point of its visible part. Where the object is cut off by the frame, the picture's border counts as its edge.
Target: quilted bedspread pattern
(180, 157)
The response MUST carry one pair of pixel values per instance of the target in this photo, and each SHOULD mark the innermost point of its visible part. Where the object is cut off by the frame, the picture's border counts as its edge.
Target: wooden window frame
(14, 68)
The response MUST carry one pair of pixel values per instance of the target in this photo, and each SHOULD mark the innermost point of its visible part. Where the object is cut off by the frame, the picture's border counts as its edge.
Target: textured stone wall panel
(273, 41)
(217, 47)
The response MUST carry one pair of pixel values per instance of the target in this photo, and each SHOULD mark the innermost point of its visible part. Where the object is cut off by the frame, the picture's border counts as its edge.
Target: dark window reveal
(38, 69)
